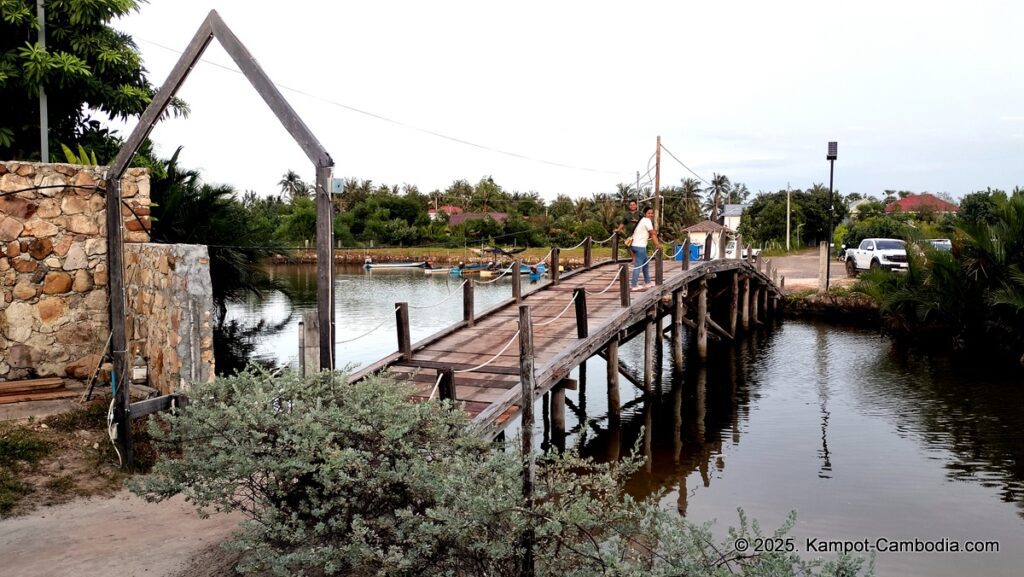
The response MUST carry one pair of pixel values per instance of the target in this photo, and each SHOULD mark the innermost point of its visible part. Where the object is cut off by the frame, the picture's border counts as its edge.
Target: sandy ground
(114, 537)
(801, 271)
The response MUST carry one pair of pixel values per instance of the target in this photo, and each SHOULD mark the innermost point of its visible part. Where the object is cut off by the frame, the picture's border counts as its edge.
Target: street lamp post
(833, 153)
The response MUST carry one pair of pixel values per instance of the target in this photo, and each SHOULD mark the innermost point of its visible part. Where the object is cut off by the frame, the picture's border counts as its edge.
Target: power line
(681, 163)
(400, 123)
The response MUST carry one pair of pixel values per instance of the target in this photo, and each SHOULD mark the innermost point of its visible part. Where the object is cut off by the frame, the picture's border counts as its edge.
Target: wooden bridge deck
(492, 393)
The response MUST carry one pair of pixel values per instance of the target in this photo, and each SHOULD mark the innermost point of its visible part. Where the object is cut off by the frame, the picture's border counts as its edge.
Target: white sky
(919, 95)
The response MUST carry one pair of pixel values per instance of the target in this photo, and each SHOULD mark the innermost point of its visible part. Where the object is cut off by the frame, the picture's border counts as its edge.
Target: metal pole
(44, 128)
(828, 245)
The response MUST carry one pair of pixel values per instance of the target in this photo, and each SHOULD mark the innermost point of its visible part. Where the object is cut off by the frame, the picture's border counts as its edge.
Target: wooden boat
(371, 265)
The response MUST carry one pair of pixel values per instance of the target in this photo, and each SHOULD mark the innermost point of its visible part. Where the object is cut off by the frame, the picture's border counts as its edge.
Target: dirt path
(113, 537)
(801, 270)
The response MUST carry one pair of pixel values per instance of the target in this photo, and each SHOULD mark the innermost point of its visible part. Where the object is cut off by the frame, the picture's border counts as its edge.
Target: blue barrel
(677, 249)
(695, 252)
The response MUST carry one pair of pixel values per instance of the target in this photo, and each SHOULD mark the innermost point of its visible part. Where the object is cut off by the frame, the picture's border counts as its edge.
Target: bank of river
(862, 440)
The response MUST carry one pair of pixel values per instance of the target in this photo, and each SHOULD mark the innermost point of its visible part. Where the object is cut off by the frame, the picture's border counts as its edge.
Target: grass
(18, 447)
(91, 418)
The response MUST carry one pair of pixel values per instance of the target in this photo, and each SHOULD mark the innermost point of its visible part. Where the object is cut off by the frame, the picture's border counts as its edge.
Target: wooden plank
(428, 364)
(156, 404)
(30, 385)
(37, 396)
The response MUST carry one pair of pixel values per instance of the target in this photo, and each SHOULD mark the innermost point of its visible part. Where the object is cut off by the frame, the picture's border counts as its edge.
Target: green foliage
(978, 208)
(18, 444)
(83, 157)
(86, 67)
(354, 479)
(969, 299)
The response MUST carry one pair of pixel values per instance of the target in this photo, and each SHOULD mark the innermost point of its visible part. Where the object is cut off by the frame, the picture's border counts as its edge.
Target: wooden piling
(745, 304)
(527, 380)
(739, 247)
(588, 245)
(555, 273)
(750, 253)
(402, 323)
(624, 284)
(468, 310)
(702, 316)
(734, 303)
(517, 281)
(615, 248)
(649, 351)
(686, 254)
(707, 246)
(580, 298)
(311, 328)
(558, 416)
(755, 299)
(302, 349)
(678, 312)
(757, 262)
(614, 401)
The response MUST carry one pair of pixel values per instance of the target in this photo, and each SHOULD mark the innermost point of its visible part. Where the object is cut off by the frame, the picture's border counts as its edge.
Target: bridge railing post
(659, 267)
(707, 246)
(615, 248)
(624, 284)
(468, 311)
(528, 383)
(446, 387)
(402, 322)
(554, 265)
(579, 295)
(517, 281)
(739, 247)
(588, 246)
(686, 253)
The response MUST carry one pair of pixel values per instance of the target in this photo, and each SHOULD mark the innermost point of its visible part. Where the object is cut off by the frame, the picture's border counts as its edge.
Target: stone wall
(53, 270)
(170, 313)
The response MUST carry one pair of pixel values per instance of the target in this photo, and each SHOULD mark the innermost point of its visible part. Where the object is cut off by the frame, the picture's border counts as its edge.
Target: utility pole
(789, 195)
(44, 124)
(657, 184)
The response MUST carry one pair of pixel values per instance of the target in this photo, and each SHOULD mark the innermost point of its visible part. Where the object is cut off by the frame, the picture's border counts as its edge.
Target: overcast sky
(922, 96)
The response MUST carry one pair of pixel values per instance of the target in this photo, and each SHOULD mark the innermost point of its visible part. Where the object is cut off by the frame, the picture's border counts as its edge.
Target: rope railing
(582, 242)
(605, 240)
(440, 375)
(551, 320)
(367, 332)
(545, 257)
(492, 359)
(495, 279)
(649, 259)
(607, 288)
(678, 252)
(444, 300)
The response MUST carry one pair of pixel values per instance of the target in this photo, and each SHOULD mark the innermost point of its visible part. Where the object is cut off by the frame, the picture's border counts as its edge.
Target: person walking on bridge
(643, 233)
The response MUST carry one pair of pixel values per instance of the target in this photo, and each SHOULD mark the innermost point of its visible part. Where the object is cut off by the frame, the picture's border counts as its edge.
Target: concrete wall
(54, 312)
(53, 269)
(170, 313)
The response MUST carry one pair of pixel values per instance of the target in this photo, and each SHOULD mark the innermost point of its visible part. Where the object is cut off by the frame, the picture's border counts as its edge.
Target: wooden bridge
(528, 344)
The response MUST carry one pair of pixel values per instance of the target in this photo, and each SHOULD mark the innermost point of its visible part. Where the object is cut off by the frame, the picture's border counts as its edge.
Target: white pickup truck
(873, 253)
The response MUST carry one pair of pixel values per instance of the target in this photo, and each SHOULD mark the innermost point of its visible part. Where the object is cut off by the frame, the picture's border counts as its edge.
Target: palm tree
(624, 193)
(293, 186)
(719, 187)
(738, 194)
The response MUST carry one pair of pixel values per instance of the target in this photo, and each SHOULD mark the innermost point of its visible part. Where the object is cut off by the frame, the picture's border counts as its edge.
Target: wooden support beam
(402, 323)
(758, 262)
(734, 303)
(468, 310)
(750, 253)
(614, 401)
(325, 265)
(149, 406)
(718, 328)
(615, 248)
(517, 281)
(580, 298)
(745, 304)
(446, 386)
(119, 338)
(588, 246)
(558, 416)
(678, 314)
(649, 331)
(624, 284)
(755, 300)
(739, 247)
(686, 253)
(702, 318)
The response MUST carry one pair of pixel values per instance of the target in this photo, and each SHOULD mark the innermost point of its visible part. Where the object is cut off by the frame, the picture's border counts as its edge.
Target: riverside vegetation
(354, 479)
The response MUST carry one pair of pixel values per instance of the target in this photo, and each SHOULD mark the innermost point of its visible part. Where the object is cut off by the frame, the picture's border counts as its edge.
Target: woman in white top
(644, 232)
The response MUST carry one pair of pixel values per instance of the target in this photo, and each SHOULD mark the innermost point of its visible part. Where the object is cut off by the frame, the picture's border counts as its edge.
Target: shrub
(353, 479)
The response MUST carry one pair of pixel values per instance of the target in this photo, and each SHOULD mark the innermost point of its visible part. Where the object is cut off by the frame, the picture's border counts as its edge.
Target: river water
(863, 440)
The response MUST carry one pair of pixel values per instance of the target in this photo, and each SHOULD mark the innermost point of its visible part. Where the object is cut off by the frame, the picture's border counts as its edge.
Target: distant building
(698, 234)
(460, 218)
(920, 203)
(731, 214)
(448, 209)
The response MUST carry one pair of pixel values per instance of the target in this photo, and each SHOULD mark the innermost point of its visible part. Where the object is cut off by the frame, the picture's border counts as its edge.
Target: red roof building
(921, 202)
(449, 209)
(460, 218)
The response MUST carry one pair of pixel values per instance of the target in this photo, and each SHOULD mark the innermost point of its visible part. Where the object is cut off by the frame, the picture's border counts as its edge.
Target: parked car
(943, 244)
(730, 250)
(875, 253)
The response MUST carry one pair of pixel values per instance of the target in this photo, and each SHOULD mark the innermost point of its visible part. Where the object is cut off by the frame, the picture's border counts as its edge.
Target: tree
(718, 189)
(978, 208)
(738, 194)
(293, 187)
(86, 67)
(339, 478)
